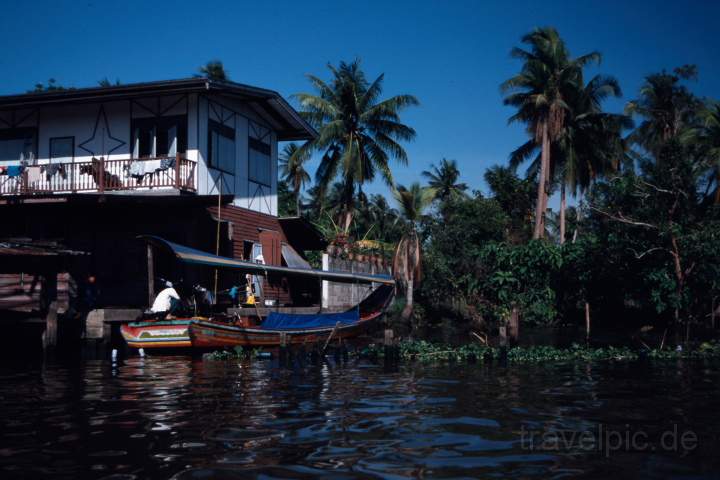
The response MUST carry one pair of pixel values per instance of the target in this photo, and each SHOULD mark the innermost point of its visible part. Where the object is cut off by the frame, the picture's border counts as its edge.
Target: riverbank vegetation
(638, 252)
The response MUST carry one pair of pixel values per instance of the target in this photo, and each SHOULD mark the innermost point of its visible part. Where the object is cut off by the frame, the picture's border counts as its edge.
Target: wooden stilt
(48, 295)
(390, 354)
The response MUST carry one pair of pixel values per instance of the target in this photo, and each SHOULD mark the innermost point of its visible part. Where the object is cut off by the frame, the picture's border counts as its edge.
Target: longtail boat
(292, 329)
(251, 331)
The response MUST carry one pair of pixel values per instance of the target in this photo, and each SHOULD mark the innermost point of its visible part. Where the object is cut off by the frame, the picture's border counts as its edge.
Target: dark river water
(183, 418)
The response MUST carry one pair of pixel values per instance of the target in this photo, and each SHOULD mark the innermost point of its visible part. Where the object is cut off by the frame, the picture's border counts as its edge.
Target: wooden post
(101, 174)
(151, 275)
(49, 336)
(587, 321)
(283, 349)
(177, 171)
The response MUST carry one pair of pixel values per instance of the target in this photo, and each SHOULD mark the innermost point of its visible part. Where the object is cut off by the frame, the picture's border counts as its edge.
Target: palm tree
(358, 133)
(214, 70)
(292, 169)
(590, 145)
(407, 260)
(444, 179)
(539, 92)
(710, 139)
(667, 107)
(105, 82)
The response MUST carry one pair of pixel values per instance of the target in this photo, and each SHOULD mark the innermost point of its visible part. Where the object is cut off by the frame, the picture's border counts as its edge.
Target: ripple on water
(166, 417)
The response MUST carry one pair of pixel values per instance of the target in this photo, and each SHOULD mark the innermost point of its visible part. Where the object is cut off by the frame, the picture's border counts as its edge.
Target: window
(159, 136)
(221, 147)
(18, 144)
(62, 149)
(259, 159)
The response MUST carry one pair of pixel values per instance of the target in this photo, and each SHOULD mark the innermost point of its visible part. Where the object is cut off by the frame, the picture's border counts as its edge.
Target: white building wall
(248, 194)
(103, 129)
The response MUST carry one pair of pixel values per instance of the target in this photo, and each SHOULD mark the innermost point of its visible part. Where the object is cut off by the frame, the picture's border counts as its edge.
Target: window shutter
(271, 246)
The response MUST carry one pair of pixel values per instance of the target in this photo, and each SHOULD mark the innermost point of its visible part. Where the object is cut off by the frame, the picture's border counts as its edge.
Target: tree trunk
(717, 186)
(542, 187)
(297, 203)
(563, 206)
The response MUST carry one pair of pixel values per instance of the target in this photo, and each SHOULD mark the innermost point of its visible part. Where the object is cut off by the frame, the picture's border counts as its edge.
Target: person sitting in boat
(204, 299)
(167, 300)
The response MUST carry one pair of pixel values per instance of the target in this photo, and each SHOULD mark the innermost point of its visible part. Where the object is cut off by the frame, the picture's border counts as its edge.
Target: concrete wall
(336, 295)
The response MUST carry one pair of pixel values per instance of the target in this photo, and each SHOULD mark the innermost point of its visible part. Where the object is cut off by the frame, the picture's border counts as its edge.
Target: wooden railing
(102, 175)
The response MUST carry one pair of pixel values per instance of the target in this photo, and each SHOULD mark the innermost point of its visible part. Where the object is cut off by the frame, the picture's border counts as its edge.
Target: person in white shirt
(164, 300)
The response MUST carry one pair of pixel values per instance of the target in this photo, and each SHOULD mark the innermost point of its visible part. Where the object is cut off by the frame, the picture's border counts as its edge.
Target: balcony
(99, 175)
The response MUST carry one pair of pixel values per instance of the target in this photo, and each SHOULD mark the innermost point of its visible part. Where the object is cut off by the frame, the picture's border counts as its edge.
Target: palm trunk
(542, 191)
(407, 311)
(347, 220)
(577, 222)
(563, 206)
(297, 202)
(717, 186)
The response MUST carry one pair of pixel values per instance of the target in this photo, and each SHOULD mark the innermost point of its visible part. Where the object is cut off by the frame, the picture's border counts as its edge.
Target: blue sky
(452, 55)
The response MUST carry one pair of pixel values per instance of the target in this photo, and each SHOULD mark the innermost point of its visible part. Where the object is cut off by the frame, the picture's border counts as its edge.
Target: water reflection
(177, 417)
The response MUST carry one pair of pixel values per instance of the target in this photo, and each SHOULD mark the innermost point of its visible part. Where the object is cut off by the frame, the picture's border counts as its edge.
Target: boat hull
(158, 333)
(212, 334)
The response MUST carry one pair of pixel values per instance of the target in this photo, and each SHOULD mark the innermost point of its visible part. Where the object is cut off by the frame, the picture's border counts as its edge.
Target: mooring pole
(151, 274)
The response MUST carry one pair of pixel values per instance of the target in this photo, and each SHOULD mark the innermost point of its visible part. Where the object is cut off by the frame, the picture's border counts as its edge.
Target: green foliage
(522, 276)
(214, 70)
(516, 197)
(286, 200)
(51, 86)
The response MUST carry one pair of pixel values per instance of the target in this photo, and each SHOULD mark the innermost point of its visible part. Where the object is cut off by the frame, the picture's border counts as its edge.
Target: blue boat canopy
(291, 321)
(198, 257)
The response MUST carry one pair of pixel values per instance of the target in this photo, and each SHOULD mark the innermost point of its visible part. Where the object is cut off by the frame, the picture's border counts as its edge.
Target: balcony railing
(99, 175)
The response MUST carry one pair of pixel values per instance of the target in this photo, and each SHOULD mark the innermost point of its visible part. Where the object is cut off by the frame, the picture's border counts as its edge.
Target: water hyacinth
(427, 352)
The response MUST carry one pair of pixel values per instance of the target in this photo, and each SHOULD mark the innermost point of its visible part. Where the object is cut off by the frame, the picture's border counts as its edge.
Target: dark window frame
(225, 131)
(50, 145)
(11, 133)
(265, 149)
(181, 122)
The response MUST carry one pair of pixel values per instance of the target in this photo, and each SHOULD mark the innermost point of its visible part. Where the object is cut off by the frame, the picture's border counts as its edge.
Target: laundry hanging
(53, 169)
(34, 175)
(15, 170)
